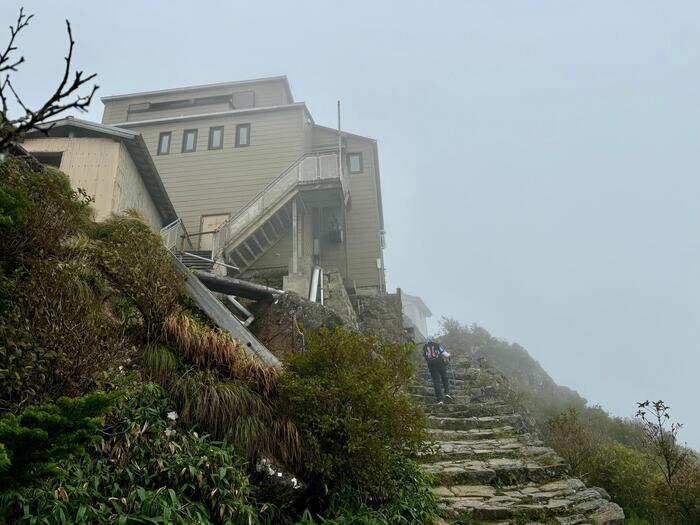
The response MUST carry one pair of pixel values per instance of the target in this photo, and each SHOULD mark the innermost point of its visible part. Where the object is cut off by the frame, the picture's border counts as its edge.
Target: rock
(337, 299)
(603, 493)
(380, 316)
(577, 519)
(278, 325)
(609, 514)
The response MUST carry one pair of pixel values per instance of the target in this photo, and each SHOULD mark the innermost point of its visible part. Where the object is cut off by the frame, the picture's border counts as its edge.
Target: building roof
(134, 144)
(185, 89)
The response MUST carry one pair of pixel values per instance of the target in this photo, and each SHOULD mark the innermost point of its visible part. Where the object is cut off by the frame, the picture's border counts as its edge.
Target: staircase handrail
(286, 181)
(175, 236)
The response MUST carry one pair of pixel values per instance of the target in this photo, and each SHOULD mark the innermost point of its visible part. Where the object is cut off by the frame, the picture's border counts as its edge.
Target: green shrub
(39, 210)
(571, 439)
(134, 260)
(146, 470)
(55, 338)
(34, 441)
(411, 504)
(13, 207)
(345, 395)
(627, 476)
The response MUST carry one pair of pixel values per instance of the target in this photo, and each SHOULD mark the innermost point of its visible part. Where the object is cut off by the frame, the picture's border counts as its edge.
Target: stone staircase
(489, 466)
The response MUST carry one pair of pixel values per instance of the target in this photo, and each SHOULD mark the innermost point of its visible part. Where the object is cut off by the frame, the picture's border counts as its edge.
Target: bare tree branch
(64, 98)
(6, 63)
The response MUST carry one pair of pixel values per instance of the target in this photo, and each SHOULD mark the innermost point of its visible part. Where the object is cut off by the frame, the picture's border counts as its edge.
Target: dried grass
(235, 413)
(212, 349)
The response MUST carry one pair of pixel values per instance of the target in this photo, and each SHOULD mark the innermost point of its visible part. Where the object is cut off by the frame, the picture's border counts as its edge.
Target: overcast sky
(539, 159)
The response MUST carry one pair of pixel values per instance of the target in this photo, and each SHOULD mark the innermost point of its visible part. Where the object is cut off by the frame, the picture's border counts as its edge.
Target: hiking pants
(438, 371)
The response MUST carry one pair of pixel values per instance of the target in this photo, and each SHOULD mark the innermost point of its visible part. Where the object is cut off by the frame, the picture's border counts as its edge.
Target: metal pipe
(237, 287)
(340, 146)
(194, 255)
(295, 239)
(313, 289)
(242, 309)
(322, 298)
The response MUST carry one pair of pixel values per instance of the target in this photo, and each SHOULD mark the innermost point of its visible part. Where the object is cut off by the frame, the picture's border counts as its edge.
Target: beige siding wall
(363, 240)
(221, 181)
(105, 170)
(130, 191)
(266, 94)
(363, 237)
(90, 164)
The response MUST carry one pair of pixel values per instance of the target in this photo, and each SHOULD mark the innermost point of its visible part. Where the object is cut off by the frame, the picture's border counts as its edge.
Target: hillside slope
(539, 391)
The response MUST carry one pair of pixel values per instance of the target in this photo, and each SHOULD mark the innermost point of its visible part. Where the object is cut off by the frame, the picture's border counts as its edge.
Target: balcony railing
(310, 169)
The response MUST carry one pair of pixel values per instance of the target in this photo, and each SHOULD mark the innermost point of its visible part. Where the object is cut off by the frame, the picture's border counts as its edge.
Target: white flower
(279, 474)
(169, 432)
(172, 416)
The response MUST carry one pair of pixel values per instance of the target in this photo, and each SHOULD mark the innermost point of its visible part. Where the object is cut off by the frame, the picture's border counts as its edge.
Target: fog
(539, 159)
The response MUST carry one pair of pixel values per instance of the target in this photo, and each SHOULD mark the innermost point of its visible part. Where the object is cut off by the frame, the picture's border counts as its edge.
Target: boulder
(608, 514)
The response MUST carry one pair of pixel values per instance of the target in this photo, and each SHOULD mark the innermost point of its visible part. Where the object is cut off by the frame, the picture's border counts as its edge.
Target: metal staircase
(197, 260)
(250, 233)
(178, 242)
(245, 253)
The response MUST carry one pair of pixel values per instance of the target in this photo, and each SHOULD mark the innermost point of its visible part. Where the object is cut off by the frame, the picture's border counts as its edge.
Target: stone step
(468, 394)
(494, 471)
(512, 447)
(468, 423)
(454, 409)
(428, 398)
(566, 502)
(502, 432)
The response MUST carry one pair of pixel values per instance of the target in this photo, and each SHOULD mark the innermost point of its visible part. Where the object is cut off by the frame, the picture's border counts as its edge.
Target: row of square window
(216, 139)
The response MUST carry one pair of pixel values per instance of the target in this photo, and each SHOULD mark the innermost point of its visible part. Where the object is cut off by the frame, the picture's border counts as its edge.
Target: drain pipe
(313, 289)
(321, 279)
(242, 309)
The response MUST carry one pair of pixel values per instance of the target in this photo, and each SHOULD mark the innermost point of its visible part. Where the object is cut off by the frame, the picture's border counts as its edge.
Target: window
(49, 158)
(242, 135)
(179, 104)
(137, 108)
(355, 163)
(164, 142)
(216, 137)
(189, 140)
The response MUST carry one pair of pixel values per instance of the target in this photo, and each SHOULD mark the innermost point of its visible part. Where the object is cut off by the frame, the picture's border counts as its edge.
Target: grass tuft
(212, 349)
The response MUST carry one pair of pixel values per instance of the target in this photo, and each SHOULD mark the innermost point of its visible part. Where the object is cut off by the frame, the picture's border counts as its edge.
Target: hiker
(436, 357)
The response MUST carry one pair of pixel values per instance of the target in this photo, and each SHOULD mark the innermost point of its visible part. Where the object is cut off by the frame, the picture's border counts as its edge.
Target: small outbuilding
(111, 164)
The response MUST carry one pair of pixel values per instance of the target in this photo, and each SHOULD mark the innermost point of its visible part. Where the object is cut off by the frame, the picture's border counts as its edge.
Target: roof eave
(185, 89)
